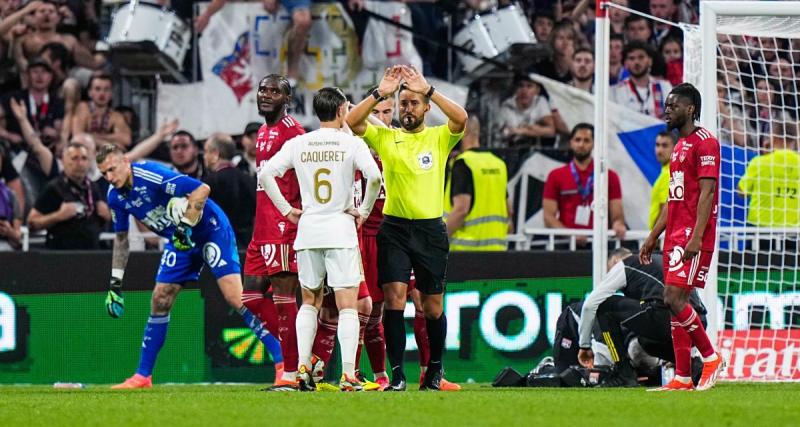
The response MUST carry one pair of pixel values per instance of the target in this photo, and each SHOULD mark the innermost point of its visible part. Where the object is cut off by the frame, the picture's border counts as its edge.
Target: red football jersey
(373, 222)
(269, 225)
(694, 157)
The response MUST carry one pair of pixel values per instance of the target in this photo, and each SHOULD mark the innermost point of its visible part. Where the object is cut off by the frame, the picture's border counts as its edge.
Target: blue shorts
(292, 5)
(216, 249)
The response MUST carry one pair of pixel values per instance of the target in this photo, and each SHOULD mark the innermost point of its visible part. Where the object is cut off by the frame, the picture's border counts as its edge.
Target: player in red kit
(690, 223)
(270, 257)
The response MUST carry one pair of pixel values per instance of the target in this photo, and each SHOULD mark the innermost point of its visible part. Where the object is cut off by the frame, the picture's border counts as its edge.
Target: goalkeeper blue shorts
(214, 248)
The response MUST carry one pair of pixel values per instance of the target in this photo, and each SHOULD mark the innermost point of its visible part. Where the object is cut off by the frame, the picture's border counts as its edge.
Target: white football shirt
(325, 162)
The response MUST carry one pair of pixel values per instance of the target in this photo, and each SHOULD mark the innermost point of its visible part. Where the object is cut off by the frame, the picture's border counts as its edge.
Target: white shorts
(341, 265)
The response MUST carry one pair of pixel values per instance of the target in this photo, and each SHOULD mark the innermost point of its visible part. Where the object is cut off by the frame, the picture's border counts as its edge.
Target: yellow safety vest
(486, 225)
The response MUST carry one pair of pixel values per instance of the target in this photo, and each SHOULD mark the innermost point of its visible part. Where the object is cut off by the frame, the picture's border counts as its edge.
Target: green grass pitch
(477, 405)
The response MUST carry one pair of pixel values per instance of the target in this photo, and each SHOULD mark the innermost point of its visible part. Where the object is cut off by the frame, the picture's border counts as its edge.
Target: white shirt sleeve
(614, 281)
(277, 166)
(366, 164)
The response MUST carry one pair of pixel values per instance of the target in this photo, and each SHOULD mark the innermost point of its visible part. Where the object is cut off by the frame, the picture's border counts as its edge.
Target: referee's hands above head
(414, 80)
(390, 81)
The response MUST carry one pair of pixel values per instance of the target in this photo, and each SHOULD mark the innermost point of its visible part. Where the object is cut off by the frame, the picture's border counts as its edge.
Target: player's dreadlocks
(688, 91)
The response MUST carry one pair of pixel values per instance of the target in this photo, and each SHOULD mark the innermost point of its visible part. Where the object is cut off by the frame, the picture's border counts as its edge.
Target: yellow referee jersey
(413, 168)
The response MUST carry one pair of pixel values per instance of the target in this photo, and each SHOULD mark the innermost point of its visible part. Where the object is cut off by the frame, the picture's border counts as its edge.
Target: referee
(412, 235)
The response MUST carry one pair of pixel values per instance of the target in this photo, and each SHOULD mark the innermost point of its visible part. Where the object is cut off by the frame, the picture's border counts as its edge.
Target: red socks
(421, 335)
(286, 306)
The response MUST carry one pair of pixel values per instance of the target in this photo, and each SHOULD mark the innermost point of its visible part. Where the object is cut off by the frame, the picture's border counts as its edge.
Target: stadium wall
(501, 308)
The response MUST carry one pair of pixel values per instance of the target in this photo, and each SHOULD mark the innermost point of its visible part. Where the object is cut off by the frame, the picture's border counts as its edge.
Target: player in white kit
(325, 162)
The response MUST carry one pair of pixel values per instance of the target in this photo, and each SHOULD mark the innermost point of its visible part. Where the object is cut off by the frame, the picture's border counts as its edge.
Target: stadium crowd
(57, 107)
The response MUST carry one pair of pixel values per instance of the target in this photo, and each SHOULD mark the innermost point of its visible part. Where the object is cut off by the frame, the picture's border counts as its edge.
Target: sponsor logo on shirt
(170, 189)
(708, 161)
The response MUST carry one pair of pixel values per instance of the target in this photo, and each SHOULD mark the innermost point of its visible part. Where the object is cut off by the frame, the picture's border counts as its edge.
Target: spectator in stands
(98, 118)
(616, 69)
(641, 92)
(93, 173)
(583, 70)
(10, 18)
(45, 111)
(476, 204)
(665, 142)
(784, 78)
(232, 189)
(671, 50)
(563, 41)
(766, 110)
(543, 24)
(70, 207)
(185, 155)
(527, 114)
(638, 28)
(734, 128)
(772, 181)
(616, 17)
(246, 161)
(10, 212)
(38, 164)
(300, 12)
(10, 177)
(666, 10)
(569, 191)
(45, 22)
(131, 118)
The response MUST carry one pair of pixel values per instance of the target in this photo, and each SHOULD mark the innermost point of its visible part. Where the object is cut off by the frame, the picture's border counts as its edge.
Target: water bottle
(667, 374)
(68, 385)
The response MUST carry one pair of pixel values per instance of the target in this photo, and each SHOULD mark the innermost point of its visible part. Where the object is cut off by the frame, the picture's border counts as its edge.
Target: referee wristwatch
(377, 95)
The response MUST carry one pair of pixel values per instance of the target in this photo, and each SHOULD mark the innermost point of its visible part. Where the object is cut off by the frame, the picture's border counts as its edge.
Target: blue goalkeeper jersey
(146, 200)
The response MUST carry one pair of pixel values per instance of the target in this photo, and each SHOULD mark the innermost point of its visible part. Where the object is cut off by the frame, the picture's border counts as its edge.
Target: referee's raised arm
(456, 114)
(357, 117)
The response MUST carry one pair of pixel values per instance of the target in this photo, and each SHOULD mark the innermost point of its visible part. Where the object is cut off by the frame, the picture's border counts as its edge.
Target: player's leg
(311, 264)
(690, 330)
(284, 293)
(344, 276)
(374, 340)
(364, 307)
(420, 332)
(261, 316)
(325, 339)
(175, 268)
(155, 334)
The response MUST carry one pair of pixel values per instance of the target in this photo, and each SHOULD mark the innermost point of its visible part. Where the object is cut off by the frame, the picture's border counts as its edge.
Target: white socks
(348, 339)
(306, 326)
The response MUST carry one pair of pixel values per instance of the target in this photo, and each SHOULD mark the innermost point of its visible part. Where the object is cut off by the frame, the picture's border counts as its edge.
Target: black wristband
(430, 92)
(377, 95)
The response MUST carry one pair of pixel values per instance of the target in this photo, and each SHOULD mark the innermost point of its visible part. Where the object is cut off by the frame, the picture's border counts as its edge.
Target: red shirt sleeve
(707, 158)
(551, 186)
(614, 187)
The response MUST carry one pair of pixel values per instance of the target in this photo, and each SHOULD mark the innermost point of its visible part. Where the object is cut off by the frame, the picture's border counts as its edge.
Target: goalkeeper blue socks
(270, 342)
(155, 333)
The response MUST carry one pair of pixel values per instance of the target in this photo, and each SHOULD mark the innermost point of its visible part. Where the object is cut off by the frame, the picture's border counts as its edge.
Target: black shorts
(421, 245)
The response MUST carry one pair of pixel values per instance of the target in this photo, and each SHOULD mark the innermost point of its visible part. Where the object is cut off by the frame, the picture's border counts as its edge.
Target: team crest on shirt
(425, 160)
(282, 226)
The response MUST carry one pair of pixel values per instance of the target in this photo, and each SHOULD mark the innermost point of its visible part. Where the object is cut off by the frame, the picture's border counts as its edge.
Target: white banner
(243, 43)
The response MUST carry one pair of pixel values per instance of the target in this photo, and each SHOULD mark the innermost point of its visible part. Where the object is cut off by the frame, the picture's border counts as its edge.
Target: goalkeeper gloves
(115, 304)
(182, 237)
(176, 208)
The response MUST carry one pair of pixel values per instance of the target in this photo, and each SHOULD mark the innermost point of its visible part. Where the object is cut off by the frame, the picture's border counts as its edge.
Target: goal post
(753, 291)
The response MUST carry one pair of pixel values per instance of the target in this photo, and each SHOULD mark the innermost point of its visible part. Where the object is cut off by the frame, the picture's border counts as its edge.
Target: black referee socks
(437, 332)
(394, 329)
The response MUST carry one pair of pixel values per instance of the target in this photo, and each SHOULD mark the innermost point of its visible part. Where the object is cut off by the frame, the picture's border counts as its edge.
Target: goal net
(749, 63)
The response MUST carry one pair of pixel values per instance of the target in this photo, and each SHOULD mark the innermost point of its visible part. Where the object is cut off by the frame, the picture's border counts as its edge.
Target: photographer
(70, 207)
(640, 311)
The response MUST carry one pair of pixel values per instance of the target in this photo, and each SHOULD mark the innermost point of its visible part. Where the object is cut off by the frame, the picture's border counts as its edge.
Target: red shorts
(269, 259)
(686, 274)
(369, 256)
(329, 300)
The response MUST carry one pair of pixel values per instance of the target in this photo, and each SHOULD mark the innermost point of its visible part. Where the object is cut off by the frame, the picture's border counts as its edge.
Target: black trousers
(649, 322)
